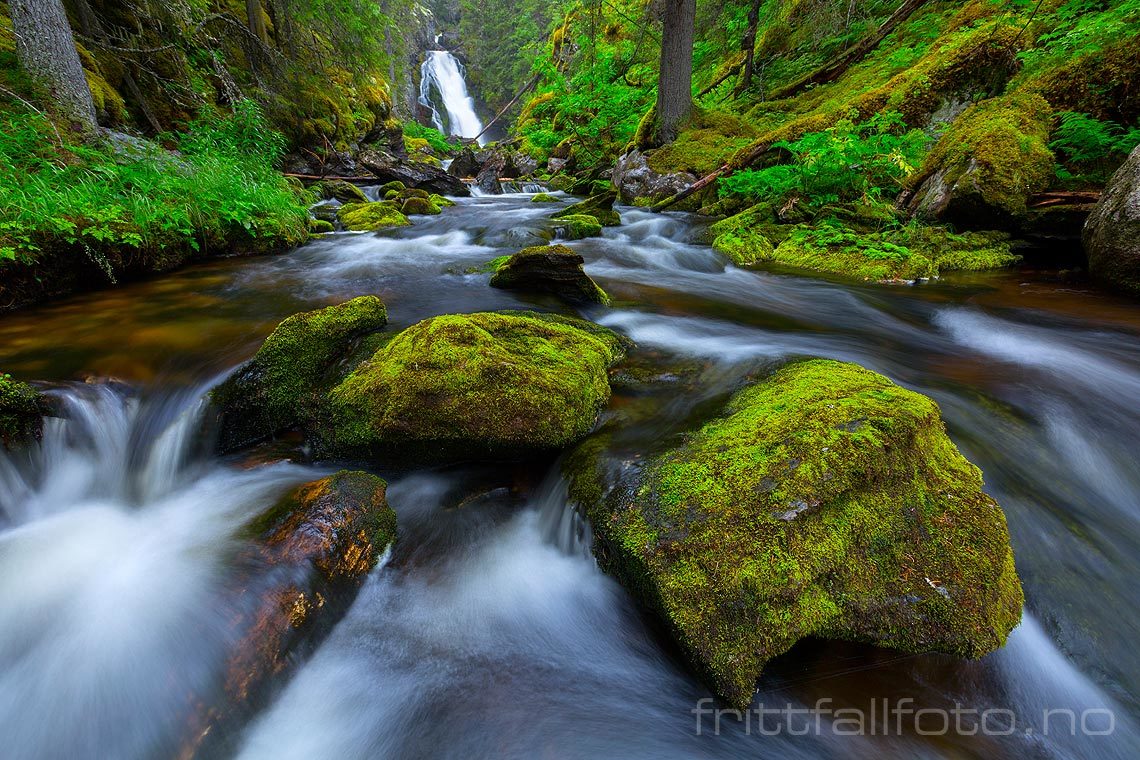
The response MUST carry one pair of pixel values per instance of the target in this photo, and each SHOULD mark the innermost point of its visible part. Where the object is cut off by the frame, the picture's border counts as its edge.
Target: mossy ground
(495, 382)
(369, 217)
(827, 501)
(853, 248)
(278, 387)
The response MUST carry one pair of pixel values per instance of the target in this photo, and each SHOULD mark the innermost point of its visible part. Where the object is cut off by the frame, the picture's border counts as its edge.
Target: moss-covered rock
(543, 198)
(553, 269)
(578, 226)
(368, 217)
(827, 502)
(22, 410)
(345, 192)
(395, 186)
(600, 206)
(413, 206)
(413, 192)
(1112, 233)
(440, 200)
(280, 386)
(496, 383)
(320, 226)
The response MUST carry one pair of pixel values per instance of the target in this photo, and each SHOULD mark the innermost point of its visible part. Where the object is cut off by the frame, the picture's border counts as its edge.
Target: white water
(443, 72)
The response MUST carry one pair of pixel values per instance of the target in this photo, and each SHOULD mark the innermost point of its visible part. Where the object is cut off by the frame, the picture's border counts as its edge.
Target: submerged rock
(553, 269)
(826, 502)
(1112, 233)
(316, 545)
(369, 217)
(22, 409)
(456, 386)
(280, 385)
(600, 206)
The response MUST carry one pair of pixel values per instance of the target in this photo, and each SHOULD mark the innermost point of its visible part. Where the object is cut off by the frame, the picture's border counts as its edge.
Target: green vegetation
(821, 499)
(274, 389)
(494, 383)
(578, 226)
(600, 207)
(431, 137)
(110, 204)
(21, 411)
(369, 217)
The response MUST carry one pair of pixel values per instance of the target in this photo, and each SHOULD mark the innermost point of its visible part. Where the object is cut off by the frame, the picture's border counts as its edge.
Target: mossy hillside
(494, 383)
(709, 140)
(826, 502)
(369, 217)
(22, 409)
(281, 385)
(577, 226)
(853, 248)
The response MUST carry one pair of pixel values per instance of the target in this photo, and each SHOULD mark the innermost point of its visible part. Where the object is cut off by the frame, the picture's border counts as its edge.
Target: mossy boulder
(492, 383)
(543, 198)
(983, 170)
(825, 502)
(600, 206)
(396, 186)
(22, 409)
(412, 206)
(320, 226)
(281, 385)
(441, 201)
(345, 192)
(1112, 232)
(369, 217)
(578, 226)
(553, 269)
(412, 192)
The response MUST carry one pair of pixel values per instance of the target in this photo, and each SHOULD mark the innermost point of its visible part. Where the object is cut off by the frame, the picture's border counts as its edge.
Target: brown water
(492, 633)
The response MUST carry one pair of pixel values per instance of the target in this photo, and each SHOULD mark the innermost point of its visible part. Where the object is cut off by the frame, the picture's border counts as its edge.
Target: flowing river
(490, 632)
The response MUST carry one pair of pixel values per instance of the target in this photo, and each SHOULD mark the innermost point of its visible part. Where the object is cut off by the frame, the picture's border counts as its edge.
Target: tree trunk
(749, 46)
(46, 50)
(675, 87)
(256, 20)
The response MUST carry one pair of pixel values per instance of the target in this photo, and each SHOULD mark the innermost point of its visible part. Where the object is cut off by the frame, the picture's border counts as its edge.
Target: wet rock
(465, 164)
(577, 226)
(544, 198)
(22, 409)
(369, 217)
(465, 385)
(825, 501)
(487, 178)
(313, 550)
(387, 168)
(553, 269)
(1112, 233)
(600, 206)
(637, 183)
(413, 206)
(276, 388)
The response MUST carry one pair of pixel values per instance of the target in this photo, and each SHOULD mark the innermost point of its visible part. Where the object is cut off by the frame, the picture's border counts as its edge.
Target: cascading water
(442, 72)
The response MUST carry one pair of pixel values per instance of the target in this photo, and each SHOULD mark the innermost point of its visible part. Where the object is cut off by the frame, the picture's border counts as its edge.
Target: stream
(491, 632)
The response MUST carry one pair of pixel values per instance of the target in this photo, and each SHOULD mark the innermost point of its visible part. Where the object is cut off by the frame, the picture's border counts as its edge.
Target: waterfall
(444, 73)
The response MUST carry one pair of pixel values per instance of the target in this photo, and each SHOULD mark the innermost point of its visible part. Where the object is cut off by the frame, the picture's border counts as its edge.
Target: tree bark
(45, 47)
(749, 46)
(256, 21)
(675, 87)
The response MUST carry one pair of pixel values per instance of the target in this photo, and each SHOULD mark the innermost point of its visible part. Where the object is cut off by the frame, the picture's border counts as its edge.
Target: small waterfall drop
(443, 72)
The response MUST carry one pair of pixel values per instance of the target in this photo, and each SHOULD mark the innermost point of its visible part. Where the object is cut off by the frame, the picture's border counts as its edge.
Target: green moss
(544, 198)
(491, 266)
(345, 192)
(412, 206)
(395, 186)
(578, 226)
(274, 390)
(827, 501)
(554, 269)
(599, 206)
(440, 200)
(413, 192)
(21, 411)
(706, 144)
(320, 226)
(367, 217)
(496, 382)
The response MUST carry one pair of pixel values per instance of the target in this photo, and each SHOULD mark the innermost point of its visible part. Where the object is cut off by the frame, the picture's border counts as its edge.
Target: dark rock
(22, 409)
(388, 168)
(635, 180)
(338, 189)
(464, 164)
(1112, 233)
(553, 269)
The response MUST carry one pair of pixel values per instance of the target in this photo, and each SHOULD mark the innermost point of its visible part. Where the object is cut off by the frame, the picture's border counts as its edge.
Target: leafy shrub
(435, 139)
(844, 163)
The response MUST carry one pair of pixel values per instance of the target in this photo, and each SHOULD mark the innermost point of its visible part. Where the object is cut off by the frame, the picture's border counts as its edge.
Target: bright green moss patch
(412, 206)
(368, 217)
(457, 385)
(441, 201)
(273, 391)
(320, 226)
(707, 143)
(578, 226)
(544, 198)
(827, 501)
(600, 206)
